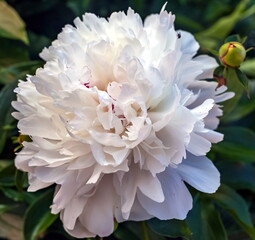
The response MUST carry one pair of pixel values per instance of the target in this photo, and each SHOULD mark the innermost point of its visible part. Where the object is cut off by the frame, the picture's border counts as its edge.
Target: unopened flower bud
(232, 54)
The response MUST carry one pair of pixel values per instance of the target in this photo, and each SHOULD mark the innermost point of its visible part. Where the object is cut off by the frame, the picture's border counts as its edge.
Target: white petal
(35, 184)
(72, 211)
(202, 110)
(150, 186)
(98, 212)
(138, 213)
(212, 136)
(208, 65)
(36, 125)
(79, 231)
(178, 200)
(198, 145)
(200, 173)
(188, 43)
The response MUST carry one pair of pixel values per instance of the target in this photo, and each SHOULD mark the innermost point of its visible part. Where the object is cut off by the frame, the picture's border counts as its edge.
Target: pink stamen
(113, 108)
(86, 84)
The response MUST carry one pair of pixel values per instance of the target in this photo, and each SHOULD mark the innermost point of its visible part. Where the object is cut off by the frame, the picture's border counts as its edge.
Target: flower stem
(145, 231)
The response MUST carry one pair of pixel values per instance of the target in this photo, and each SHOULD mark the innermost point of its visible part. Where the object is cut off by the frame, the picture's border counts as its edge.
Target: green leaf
(243, 80)
(220, 30)
(6, 175)
(233, 38)
(213, 52)
(20, 180)
(12, 52)
(11, 25)
(205, 222)
(186, 22)
(125, 234)
(5, 163)
(18, 70)
(18, 196)
(238, 145)
(239, 135)
(250, 49)
(6, 97)
(248, 67)
(244, 175)
(38, 217)
(243, 40)
(219, 71)
(245, 107)
(215, 10)
(5, 208)
(234, 152)
(235, 86)
(170, 228)
(41, 42)
(231, 201)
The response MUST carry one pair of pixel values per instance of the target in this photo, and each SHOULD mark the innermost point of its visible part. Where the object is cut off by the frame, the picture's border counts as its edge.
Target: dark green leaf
(244, 175)
(7, 175)
(5, 163)
(243, 80)
(245, 107)
(248, 67)
(233, 38)
(20, 180)
(12, 52)
(78, 7)
(169, 228)
(188, 23)
(238, 145)
(240, 135)
(230, 200)
(123, 233)
(205, 222)
(5, 208)
(234, 152)
(6, 97)
(18, 196)
(29, 8)
(215, 10)
(41, 42)
(18, 70)
(235, 86)
(38, 217)
(219, 71)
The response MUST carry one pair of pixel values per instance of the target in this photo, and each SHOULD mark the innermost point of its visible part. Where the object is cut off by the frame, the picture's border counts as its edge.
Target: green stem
(145, 231)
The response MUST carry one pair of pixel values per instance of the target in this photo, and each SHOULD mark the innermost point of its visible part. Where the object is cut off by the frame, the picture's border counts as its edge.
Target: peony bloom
(120, 117)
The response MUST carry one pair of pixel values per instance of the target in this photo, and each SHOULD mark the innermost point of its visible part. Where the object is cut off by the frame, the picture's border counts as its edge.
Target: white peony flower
(120, 117)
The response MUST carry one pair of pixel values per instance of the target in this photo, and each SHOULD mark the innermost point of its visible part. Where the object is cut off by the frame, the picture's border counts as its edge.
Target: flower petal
(200, 173)
(97, 215)
(178, 200)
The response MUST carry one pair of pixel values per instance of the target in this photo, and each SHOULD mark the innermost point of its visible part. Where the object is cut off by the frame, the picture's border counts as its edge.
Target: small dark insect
(179, 35)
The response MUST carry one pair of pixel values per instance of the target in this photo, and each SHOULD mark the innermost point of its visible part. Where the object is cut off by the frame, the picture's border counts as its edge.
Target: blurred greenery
(27, 26)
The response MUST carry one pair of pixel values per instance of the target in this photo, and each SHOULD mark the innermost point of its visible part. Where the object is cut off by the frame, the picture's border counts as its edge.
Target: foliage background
(26, 26)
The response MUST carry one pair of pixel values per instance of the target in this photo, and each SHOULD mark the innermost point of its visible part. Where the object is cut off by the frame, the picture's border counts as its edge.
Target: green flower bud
(232, 54)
